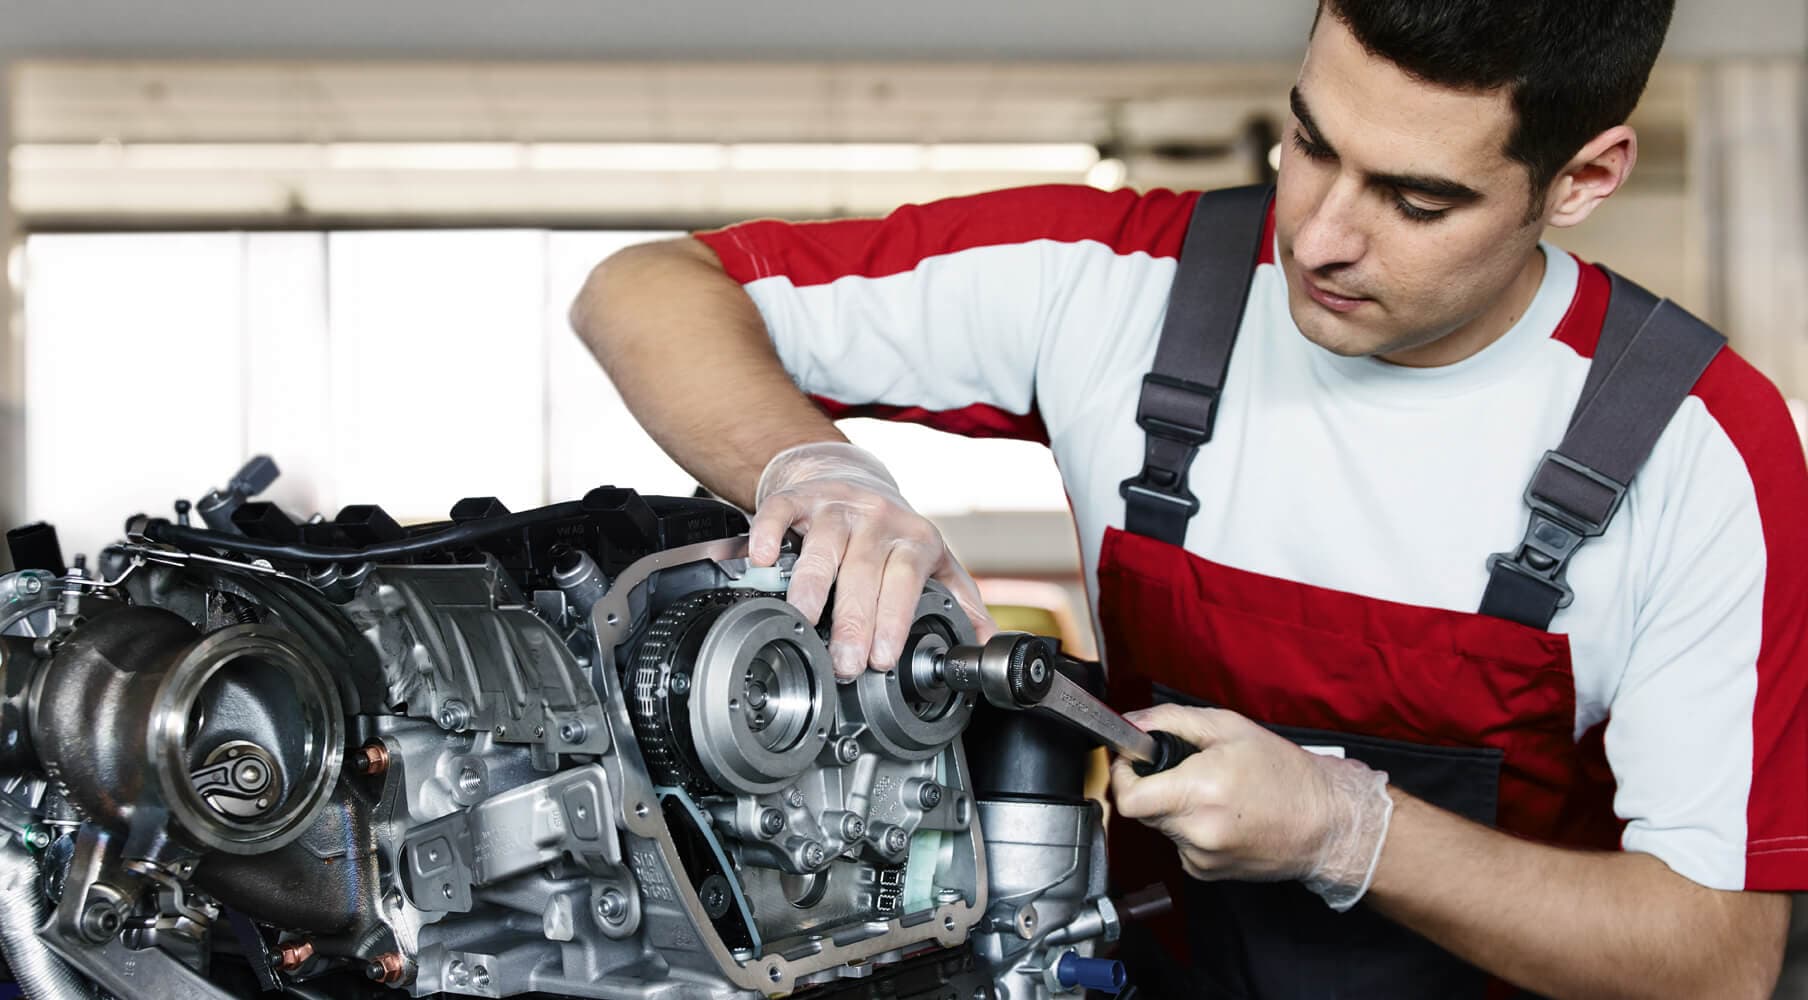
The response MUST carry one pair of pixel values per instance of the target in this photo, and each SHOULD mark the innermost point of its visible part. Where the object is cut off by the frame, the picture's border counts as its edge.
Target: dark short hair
(1575, 67)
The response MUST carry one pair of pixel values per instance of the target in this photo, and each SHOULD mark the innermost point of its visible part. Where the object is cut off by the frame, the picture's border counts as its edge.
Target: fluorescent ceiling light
(997, 157)
(169, 156)
(425, 155)
(1064, 159)
(810, 157)
(627, 157)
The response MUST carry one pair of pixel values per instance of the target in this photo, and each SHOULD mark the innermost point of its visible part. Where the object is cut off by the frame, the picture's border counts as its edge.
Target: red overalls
(1471, 712)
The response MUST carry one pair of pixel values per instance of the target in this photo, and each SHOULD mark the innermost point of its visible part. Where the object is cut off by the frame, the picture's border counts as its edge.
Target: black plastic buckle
(1141, 486)
(1166, 393)
(1554, 533)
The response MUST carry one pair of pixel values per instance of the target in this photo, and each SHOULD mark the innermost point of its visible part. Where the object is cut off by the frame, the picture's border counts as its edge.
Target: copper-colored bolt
(372, 758)
(387, 968)
(295, 954)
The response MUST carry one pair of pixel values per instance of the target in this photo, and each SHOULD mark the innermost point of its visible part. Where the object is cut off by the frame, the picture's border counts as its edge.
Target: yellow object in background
(1056, 621)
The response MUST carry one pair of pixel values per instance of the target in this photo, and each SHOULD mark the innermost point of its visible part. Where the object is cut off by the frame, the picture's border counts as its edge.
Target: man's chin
(1335, 334)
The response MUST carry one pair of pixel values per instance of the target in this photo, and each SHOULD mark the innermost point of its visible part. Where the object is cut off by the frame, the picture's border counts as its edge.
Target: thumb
(965, 591)
(1202, 727)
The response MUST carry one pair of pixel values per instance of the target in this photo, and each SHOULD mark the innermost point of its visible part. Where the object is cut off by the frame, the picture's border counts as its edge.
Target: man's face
(1399, 216)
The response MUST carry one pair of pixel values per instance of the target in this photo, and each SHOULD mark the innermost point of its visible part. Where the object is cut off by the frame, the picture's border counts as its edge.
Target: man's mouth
(1331, 300)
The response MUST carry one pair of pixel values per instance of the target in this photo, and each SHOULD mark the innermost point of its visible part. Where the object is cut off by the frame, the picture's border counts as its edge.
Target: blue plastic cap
(1102, 974)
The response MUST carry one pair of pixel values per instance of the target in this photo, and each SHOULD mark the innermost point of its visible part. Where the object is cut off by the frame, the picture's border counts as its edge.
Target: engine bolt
(714, 897)
(813, 855)
(1024, 921)
(371, 759)
(100, 921)
(1038, 670)
(680, 683)
(387, 968)
(853, 828)
(847, 750)
(896, 840)
(453, 715)
(37, 838)
(295, 954)
(470, 783)
(612, 906)
(772, 822)
(572, 731)
(794, 797)
(930, 795)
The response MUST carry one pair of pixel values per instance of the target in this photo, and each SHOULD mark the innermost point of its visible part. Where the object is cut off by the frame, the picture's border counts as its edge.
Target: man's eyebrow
(1441, 188)
(1305, 119)
(1433, 187)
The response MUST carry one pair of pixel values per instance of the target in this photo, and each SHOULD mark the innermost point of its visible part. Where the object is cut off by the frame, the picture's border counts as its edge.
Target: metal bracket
(568, 814)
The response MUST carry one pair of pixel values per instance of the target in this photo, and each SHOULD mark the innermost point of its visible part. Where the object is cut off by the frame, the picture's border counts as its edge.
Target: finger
(1121, 778)
(1192, 870)
(900, 589)
(856, 600)
(825, 545)
(965, 591)
(1206, 866)
(1196, 784)
(766, 534)
(1130, 794)
(1202, 727)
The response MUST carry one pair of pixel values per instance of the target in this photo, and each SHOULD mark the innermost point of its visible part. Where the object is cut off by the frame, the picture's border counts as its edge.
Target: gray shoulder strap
(1650, 355)
(1179, 400)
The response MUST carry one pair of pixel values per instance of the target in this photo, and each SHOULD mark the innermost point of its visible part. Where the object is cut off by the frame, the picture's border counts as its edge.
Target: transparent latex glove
(861, 536)
(1253, 806)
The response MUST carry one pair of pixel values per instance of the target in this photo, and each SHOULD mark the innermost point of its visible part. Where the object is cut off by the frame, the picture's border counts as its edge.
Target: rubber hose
(40, 972)
(159, 530)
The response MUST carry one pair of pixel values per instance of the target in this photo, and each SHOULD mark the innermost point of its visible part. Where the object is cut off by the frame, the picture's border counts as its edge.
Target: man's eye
(1311, 150)
(1416, 213)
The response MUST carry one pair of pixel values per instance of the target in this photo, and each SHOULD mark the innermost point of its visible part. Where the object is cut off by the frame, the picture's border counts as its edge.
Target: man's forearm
(1568, 923)
(690, 355)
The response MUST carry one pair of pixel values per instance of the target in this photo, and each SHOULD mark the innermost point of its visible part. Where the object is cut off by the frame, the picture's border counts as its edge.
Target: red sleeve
(1753, 414)
(815, 253)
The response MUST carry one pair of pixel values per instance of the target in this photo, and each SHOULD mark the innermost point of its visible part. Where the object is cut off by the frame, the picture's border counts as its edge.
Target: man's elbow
(639, 267)
(1746, 956)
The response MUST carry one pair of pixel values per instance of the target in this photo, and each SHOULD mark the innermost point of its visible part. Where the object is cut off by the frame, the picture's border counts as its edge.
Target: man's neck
(1472, 337)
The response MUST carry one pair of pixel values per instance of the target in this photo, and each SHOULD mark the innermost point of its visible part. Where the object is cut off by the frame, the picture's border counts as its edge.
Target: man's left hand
(1251, 805)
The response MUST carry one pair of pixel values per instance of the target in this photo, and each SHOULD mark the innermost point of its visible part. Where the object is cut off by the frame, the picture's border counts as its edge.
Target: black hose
(182, 537)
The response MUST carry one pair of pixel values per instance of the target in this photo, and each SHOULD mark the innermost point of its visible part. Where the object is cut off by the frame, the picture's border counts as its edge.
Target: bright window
(407, 369)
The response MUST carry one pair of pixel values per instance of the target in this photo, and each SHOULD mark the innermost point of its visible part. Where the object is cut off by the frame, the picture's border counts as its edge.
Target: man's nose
(1332, 236)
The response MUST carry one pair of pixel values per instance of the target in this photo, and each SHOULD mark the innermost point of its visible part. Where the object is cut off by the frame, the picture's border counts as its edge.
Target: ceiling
(137, 138)
(321, 101)
(754, 29)
(252, 142)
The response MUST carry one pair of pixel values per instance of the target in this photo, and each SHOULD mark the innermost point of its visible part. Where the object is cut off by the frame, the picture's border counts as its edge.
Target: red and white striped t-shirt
(1034, 313)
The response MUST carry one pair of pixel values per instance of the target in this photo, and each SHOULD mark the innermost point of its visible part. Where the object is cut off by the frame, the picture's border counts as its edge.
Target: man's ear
(1595, 172)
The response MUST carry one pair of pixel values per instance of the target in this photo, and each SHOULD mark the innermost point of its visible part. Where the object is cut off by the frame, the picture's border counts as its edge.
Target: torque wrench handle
(1015, 671)
(1170, 750)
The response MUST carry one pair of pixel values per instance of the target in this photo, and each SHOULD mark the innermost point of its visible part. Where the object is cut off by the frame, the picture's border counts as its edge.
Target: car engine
(580, 751)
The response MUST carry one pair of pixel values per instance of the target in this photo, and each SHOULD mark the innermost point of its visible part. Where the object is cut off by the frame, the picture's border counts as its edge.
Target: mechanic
(1588, 797)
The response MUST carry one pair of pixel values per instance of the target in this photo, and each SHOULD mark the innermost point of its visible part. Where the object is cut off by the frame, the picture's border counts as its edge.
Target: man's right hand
(862, 537)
